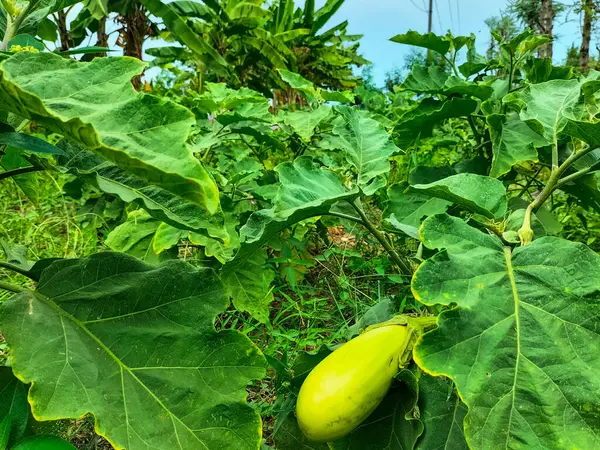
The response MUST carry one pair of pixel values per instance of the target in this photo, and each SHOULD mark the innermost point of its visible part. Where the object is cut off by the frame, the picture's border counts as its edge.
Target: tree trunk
(136, 28)
(586, 35)
(102, 40)
(63, 31)
(546, 21)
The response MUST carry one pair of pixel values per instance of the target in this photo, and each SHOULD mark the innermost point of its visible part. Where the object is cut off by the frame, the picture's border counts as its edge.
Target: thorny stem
(346, 217)
(404, 267)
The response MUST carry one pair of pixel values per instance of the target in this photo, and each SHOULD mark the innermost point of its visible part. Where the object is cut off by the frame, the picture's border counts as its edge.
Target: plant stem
(555, 177)
(201, 74)
(553, 183)
(577, 174)
(529, 182)
(478, 136)
(14, 268)
(404, 267)
(11, 287)
(13, 27)
(19, 171)
(346, 217)
(8, 33)
(510, 80)
(425, 323)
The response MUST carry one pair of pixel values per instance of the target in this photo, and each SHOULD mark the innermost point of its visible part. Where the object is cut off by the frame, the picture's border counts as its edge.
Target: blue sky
(379, 20)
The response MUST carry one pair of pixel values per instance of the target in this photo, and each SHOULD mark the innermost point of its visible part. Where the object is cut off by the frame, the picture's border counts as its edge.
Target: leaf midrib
(513, 285)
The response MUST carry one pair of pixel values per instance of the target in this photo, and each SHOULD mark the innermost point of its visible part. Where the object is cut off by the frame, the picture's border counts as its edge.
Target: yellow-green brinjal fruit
(345, 388)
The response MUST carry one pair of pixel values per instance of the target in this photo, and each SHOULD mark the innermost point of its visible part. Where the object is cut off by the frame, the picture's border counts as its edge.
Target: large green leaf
(95, 104)
(250, 285)
(419, 121)
(548, 107)
(442, 414)
(12, 159)
(323, 14)
(429, 41)
(5, 424)
(405, 210)
(47, 442)
(135, 345)
(433, 80)
(365, 144)
(306, 185)
(289, 437)
(160, 203)
(522, 342)
(187, 8)
(38, 10)
(29, 143)
(478, 193)
(97, 8)
(304, 122)
(13, 406)
(513, 142)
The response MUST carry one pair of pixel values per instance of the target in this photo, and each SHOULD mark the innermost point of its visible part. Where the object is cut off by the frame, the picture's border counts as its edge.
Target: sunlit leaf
(409, 208)
(160, 203)
(95, 104)
(522, 344)
(433, 80)
(135, 345)
(250, 285)
(364, 143)
(429, 41)
(513, 142)
(419, 121)
(304, 122)
(478, 193)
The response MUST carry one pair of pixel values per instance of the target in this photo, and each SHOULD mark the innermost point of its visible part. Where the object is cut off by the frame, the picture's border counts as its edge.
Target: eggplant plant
(468, 163)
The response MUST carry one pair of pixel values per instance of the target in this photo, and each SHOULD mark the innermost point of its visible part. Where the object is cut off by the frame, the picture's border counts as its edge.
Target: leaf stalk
(11, 287)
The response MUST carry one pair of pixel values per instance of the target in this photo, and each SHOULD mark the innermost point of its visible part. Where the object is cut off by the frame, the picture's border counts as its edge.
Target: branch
(555, 177)
(20, 171)
(478, 136)
(577, 174)
(346, 217)
(525, 232)
(404, 267)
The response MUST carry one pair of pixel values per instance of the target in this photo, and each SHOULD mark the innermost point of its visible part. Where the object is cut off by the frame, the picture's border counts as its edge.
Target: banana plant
(326, 58)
